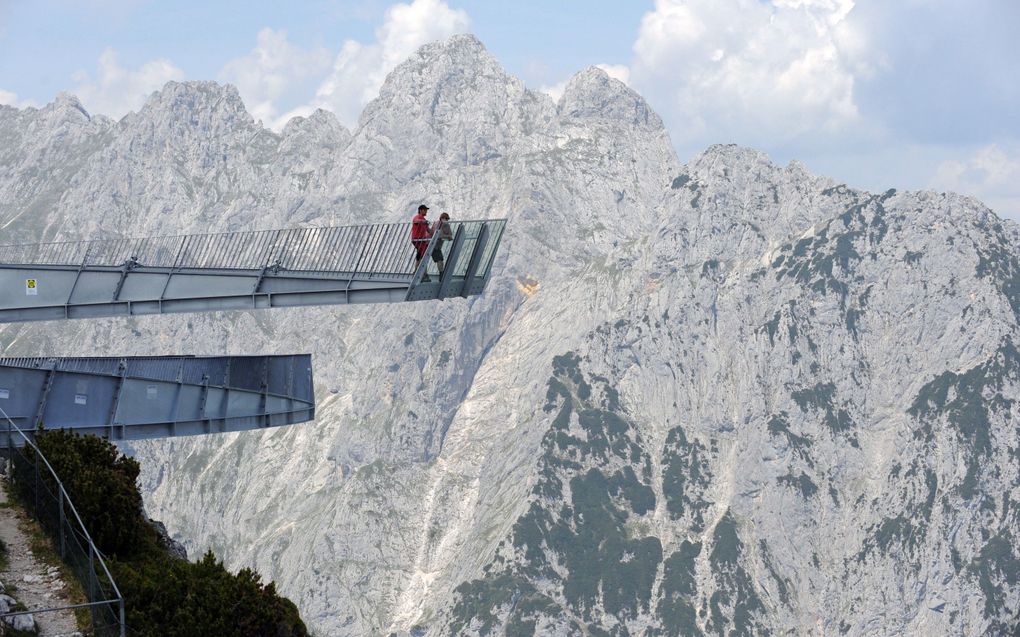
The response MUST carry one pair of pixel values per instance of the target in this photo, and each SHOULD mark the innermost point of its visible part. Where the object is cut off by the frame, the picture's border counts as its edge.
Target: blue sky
(64, 36)
(912, 94)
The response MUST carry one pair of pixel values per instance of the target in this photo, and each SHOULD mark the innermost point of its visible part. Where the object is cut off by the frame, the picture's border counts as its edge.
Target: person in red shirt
(421, 234)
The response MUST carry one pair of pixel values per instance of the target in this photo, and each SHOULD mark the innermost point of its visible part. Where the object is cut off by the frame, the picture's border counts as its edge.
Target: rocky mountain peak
(722, 160)
(319, 121)
(592, 94)
(67, 114)
(457, 68)
(67, 105)
(197, 104)
(711, 180)
(464, 46)
(450, 104)
(321, 129)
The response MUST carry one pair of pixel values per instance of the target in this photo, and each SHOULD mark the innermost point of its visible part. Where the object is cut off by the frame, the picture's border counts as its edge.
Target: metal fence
(471, 231)
(371, 249)
(44, 495)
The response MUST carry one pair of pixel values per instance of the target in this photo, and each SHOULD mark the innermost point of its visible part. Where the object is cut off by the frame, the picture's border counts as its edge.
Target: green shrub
(175, 598)
(101, 483)
(163, 595)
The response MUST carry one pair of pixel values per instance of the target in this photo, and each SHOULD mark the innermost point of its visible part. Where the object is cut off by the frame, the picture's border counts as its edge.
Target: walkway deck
(242, 270)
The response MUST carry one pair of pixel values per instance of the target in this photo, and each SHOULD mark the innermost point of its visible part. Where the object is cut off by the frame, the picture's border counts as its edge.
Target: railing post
(35, 488)
(123, 620)
(61, 521)
(92, 572)
(173, 268)
(77, 277)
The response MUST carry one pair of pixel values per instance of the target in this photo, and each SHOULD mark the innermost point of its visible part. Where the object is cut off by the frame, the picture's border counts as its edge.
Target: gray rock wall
(721, 398)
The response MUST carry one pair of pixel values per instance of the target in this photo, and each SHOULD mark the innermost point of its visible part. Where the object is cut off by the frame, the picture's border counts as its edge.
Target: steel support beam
(150, 397)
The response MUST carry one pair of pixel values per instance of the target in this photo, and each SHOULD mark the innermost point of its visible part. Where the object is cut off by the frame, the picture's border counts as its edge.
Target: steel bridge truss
(242, 270)
(153, 397)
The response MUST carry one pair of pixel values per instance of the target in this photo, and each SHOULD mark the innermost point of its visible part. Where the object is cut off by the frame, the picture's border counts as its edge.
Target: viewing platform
(133, 398)
(241, 271)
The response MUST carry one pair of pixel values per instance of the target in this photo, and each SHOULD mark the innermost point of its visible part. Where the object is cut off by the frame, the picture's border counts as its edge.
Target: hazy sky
(878, 93)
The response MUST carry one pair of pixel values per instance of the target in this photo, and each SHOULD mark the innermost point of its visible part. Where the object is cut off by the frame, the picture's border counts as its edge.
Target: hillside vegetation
(164, 595)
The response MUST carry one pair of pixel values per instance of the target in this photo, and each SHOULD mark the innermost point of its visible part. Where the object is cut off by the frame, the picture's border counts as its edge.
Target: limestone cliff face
(725, 397)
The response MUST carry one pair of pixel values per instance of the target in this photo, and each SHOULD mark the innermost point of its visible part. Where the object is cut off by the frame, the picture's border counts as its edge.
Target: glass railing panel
(489, 253)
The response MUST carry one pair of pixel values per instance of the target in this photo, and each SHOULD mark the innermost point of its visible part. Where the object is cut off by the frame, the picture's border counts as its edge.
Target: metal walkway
(154, 397)
(242, 270)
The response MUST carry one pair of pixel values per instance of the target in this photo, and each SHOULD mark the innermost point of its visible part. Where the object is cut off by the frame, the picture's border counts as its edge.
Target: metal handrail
(66, 498)
(329, 249)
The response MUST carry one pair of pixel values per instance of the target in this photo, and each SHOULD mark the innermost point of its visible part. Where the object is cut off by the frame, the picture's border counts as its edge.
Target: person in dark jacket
(421, 233)
(445, 234)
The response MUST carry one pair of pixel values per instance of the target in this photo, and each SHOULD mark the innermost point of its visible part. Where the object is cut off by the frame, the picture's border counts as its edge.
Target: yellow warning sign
(31, 287)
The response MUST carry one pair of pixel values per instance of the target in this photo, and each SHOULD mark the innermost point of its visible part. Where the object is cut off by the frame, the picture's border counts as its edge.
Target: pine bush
(163, 595)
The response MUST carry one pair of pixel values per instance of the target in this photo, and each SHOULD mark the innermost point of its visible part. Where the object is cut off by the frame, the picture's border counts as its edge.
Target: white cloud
(360, 69)
(754, 72)
(836, 10)
(555, 90)
(299, 111)
(8, 98)
(116, 90)
(990, 173)
(272, 71)
(616, 71)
